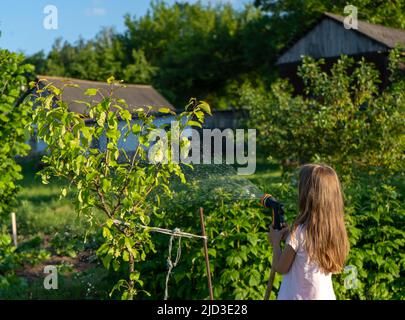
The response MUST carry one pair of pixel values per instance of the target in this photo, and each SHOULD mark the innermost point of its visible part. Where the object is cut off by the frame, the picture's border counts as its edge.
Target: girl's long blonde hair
(321, 212)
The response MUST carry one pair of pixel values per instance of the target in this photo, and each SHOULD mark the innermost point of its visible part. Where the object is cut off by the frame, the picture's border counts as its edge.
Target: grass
(265, 175)
(41, 209)
(50, 232)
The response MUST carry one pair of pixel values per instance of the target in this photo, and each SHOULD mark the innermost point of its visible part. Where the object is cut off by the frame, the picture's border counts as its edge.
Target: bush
(239, 251)
(376, 218)
(346, 120)
(14, 115)
(343, 119)
(240, 255)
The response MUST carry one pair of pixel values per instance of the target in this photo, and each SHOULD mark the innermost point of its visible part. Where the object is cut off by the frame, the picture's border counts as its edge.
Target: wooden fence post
(207, 260)
(14, 228)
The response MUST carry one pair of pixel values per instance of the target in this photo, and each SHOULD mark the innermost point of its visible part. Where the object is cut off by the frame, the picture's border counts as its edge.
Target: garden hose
(278, 222)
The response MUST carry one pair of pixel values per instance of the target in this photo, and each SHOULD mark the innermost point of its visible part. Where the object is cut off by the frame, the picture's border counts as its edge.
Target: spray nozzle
(268, 201)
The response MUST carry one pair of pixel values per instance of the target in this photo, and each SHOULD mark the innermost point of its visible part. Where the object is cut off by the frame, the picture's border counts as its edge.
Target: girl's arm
(282, 261)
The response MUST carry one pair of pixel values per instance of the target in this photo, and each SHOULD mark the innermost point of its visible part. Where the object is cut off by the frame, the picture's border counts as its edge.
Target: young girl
(317, 245)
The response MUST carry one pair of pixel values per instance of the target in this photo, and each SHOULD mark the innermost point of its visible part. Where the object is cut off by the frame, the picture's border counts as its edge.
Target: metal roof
(136, 96)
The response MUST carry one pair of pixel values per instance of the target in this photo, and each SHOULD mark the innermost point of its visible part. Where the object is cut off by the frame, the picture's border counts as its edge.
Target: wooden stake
(14, 228)
(207, 260)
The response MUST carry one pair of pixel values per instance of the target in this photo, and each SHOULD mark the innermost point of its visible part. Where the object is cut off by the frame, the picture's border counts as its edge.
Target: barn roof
(388, 36)
(136, 96)
(329, 38)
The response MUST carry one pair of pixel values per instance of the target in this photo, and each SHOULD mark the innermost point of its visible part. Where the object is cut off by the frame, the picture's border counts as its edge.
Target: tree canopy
(201, 50)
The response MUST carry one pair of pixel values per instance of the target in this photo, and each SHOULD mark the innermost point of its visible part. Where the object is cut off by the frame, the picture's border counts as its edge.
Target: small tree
(117, 183)
(14, 116)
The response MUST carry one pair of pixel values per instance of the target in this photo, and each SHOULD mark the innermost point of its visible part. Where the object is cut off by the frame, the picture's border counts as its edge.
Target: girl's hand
(286, 230)
(275, 236)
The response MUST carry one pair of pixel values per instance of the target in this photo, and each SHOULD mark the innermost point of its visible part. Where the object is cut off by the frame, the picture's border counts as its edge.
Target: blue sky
(21, 21)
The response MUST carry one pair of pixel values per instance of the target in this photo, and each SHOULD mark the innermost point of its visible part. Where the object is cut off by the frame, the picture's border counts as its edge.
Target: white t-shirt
(304, 280)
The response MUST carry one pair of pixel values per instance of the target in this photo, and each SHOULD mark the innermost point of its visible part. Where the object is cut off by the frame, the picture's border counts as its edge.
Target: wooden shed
(329, 39)
(136, 96)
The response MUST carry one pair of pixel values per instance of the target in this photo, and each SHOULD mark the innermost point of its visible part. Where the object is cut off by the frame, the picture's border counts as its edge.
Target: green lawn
(50, 232)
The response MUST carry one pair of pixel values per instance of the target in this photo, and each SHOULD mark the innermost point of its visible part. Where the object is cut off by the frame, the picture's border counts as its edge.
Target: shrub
(14, 115)
(376, 221)
(346, 120)
(239, 251)
(343, 119)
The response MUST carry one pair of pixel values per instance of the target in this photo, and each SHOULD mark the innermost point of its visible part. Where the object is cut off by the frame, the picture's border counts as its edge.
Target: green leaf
(55, 90)
(254, 279)
(107, 260)
(200, 116)
(48, 102)
(86, 133)
(136, 128)
(79, 196)
(91, 92)
(125, 256)
(90, 176)
(106, 185)
(128, 245)
(109, 222)
(107, 233)
(116, 265)
(88, 104)
(205, 106)
(45, 179)
(134, 276)
(194, 124)
(125, 115)
(101, 119)
(116, 154)
(72, 85)
(165, 110)
(122, 101)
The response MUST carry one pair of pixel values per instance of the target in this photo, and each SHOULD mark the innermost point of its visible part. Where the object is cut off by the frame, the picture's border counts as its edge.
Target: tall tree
(301, 13)
(182, 49)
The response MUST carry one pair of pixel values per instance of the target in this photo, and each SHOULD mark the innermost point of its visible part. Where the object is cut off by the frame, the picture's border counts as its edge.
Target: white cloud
(226, 1)
(96, 12)
(236, 3)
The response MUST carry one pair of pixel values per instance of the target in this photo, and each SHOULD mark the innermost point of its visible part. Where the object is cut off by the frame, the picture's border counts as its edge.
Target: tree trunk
(131, 271)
